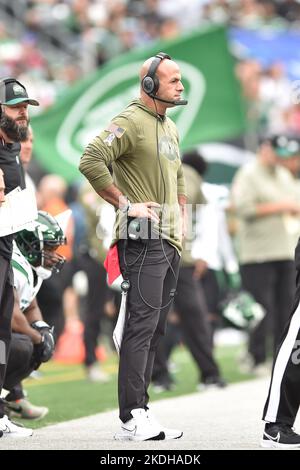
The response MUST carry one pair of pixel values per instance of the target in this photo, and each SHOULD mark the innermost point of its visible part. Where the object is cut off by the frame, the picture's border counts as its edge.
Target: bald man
(147, 190)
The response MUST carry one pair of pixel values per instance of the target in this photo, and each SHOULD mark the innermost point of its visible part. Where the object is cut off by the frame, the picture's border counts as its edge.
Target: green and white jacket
(26, 281)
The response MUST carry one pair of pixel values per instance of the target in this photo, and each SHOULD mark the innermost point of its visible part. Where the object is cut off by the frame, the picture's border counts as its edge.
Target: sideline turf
(67, 393)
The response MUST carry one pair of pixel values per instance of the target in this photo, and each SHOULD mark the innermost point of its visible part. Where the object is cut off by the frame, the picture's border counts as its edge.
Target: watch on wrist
(125, 209)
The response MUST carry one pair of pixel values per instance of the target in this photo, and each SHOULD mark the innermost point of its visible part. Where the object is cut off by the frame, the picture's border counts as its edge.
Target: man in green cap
(287, 149)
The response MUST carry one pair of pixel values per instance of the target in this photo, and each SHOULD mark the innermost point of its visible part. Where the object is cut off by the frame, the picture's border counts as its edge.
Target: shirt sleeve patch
(109, 139)
(115, 129)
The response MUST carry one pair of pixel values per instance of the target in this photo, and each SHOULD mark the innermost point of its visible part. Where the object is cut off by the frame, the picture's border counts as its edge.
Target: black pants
(6, 309)
(190, 305)
(167, 343)
(272, 284)
(284, 397)
(152, 280)
(96, 298)
(20, 364)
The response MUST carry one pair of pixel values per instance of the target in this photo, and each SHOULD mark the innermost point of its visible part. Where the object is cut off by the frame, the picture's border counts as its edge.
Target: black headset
(150, 82)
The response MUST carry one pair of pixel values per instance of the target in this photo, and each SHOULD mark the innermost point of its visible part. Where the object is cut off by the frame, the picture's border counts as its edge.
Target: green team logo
(105, 98)
(18, 90)
(168, 148)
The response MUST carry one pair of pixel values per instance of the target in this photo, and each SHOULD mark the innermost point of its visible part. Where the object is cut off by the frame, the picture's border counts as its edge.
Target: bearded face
(15, 129)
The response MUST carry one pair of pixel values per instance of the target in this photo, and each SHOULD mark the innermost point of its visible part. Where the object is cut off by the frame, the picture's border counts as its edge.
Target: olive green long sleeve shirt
(269, 237)
(144, 153)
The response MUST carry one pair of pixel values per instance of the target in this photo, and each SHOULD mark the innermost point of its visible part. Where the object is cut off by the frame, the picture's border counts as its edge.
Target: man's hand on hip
(144, 209)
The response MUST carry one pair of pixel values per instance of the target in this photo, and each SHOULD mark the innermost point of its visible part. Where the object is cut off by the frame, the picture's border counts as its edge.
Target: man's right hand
(144, 209)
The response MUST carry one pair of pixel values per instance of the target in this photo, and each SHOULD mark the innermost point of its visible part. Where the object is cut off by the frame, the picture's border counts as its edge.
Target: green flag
(214, 110)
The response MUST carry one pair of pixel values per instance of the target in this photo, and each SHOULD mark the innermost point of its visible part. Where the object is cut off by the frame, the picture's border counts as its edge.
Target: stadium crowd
(56, 42)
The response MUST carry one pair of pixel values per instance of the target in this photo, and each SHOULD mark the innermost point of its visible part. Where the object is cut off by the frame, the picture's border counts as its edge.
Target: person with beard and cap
(14, 122)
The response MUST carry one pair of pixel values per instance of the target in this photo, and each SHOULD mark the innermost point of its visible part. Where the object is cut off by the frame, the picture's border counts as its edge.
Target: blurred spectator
(265, 198)
(289, 10)
(213, 243)
(50, 196)
(189, 303)
(100, 217)
(26, 154)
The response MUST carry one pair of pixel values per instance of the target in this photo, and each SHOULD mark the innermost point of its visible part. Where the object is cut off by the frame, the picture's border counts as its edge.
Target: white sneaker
(96, 374)
(169, 433)
(139, 428)
(10, 429)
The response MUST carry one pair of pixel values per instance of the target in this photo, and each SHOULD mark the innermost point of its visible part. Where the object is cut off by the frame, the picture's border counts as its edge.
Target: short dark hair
(194, 159)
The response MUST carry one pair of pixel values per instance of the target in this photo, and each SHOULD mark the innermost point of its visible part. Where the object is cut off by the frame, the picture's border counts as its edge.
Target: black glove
(45, 349)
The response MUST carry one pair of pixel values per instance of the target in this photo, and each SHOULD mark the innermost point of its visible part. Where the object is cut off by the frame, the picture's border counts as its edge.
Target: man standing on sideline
(13, 129)
(148, 187)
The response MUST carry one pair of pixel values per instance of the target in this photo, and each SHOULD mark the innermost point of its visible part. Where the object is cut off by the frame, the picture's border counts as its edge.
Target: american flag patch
(115, 129)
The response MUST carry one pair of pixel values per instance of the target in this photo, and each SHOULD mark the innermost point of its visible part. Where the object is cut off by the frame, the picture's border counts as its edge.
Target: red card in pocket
(112, 266)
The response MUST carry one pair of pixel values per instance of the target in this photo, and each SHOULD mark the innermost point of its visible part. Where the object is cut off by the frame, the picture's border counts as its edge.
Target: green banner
(214, 111)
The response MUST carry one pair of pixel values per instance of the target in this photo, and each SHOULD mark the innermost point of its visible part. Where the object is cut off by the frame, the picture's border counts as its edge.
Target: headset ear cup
(148, 84)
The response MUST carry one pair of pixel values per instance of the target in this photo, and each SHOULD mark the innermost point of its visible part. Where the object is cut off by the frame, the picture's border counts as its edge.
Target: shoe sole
(7, 435)
(169, 438)
(277, 445)
(159, 437)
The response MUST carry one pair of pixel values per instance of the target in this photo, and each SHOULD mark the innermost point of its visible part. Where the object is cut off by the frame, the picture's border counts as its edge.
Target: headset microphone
(175, 102)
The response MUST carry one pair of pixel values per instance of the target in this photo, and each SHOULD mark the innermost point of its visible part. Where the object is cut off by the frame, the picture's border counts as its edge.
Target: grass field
(67, 393)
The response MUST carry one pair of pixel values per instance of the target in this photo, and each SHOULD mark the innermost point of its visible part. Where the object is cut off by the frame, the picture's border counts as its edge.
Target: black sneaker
(280, 436)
